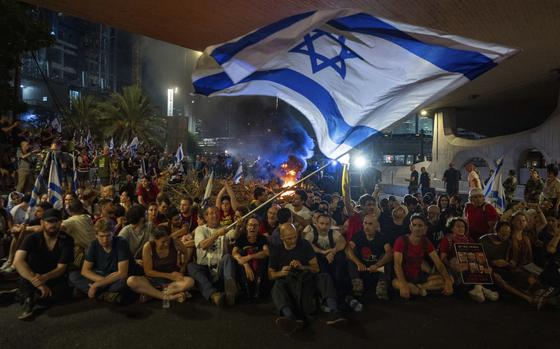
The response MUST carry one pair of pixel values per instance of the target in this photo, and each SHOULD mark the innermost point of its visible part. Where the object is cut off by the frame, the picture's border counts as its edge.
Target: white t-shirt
(323, 240)
(304, 213)
(213, 254)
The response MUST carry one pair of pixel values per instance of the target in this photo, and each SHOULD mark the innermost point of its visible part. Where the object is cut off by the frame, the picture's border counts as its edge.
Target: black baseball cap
(52, 215)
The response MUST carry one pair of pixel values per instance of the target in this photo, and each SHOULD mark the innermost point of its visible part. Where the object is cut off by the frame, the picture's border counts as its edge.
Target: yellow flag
(345, 179)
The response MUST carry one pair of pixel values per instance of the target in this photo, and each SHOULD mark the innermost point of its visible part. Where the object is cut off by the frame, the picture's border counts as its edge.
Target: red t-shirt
(478, 218)
(446, 244)
(414, 256)
(355, 224)
(150, 195)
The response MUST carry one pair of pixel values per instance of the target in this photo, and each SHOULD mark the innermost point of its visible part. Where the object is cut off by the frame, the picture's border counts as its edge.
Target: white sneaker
(477, 295)
(6, 265)
(490, 295)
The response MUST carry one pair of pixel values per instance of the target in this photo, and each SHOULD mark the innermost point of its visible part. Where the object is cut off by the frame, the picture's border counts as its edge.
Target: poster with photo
(473, 264)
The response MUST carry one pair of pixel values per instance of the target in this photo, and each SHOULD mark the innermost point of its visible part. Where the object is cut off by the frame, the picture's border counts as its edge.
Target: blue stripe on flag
(339, 131)
(225, 52)
(469, 63)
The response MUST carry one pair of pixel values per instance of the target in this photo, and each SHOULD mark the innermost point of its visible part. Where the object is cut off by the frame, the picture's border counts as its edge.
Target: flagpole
(283, 191)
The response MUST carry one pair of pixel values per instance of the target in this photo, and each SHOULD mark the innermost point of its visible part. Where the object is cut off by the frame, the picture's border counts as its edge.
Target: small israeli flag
(238, 174)
(179, 154)
(494, 189)
(349, 73)
(55, 184)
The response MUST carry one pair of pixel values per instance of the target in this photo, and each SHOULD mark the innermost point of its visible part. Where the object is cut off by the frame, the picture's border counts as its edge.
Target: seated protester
(214, 265)
(251, 253)
(227, 205)
(107, 211)
(80, 227)
(368, 252)
(329, 247)
(551, 273)
(300, 213)
(270, 222)
(89, 199)
(147, 192)
(354, 223)
(125, 200)
(152, 213)
(458, 234)
(409, 253)
(386, 214)
(397, 226)
(436, 227)
(41, 262)
(137, 232)
(284, 216)
(294, 267)
(162, 269)
(180, 231)
(120, 217)
(188, 214)
(163, 203)
(19, 211)
(21, 231)
(105, 269)
(260, 196)
(480, 215)
(337, 209)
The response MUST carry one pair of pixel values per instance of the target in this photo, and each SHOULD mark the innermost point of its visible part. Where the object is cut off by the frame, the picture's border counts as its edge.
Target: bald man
(294, 268)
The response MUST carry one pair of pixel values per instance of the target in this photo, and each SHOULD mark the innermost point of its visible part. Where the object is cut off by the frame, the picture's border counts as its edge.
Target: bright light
(226, 151)
(176, 89)
(423, 112)
(360, 161)
(21, 86)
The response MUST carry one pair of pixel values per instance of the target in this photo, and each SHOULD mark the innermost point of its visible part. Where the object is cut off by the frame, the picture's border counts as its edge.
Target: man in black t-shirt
(105, 269)
(251, 253)
(41, 262)
(294, 268)
(368, 253)
(436, 227)
(451, 178)
(413, 180)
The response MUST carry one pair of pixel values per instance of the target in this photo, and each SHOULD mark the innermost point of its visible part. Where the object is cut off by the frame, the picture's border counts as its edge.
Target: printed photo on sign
(473, 264)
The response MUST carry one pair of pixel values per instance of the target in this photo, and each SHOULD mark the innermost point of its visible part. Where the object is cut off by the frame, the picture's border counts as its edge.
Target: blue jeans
(202, 275)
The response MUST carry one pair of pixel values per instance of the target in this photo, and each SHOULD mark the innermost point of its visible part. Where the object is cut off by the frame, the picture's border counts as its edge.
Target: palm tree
(130, 114)
(83, 114)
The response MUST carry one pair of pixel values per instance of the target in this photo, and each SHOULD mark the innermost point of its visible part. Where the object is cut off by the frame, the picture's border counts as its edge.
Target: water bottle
(165, 304)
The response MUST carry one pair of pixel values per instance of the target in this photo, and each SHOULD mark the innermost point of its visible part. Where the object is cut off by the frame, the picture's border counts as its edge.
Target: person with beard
(41, 262)
(436, 227)
(188, 214)
(354, 223)
(260, 196)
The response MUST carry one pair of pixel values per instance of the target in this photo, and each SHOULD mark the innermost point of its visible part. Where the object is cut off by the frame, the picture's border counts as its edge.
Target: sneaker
(231, 291)
(5, 265)
(477, 295)
(336, 319)
(357, 287)
(8, 270)
(490, 294)
(355, 304)
(289, 324)
(544, 296)
(27, 309)
(218, 299)
(381, 290)
(325, 309)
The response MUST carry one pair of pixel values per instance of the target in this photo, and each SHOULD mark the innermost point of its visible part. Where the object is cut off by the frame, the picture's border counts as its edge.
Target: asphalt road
(431, 322)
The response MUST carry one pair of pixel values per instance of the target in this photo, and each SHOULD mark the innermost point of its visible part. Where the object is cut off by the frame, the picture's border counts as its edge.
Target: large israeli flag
(494, 189)
(350, 73)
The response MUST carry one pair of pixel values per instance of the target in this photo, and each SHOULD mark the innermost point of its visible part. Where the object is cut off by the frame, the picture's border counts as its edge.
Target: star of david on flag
(351, 74)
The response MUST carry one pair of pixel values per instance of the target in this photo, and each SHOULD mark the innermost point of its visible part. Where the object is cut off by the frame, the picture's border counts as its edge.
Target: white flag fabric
(350, 73)
(111, 145)
(208, 191)
(238, 174)
(179, 154)
(55, 184)
(133, 147)
(494, 189)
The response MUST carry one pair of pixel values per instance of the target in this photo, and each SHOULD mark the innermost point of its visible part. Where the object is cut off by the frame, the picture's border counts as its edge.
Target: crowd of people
(130, 239)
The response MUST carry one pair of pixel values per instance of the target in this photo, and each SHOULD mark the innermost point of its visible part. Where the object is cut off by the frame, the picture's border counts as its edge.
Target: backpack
(330, 235)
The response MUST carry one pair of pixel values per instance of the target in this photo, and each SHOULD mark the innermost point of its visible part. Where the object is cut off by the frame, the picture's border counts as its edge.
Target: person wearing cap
(105, 269)
(480, 215)
(409, 252)
(41, 262)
